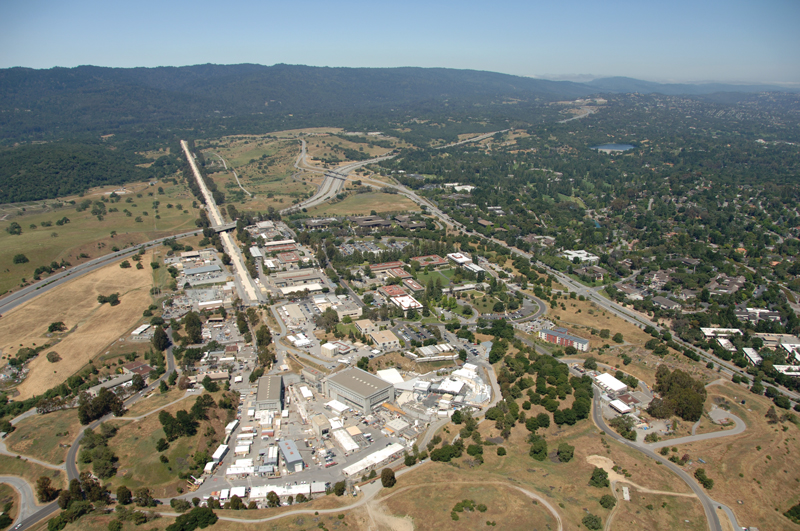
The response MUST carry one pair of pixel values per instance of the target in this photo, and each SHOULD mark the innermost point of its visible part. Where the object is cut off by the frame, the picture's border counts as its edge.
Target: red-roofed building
(413, 285)
(288, 257)
(431, 260)
(137, 367)
(399, 273)
(386, 265)
(393, 291)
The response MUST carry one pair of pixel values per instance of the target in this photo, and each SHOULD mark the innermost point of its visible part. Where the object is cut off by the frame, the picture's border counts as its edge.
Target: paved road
(27, 505)
(473, 139)
(14, 299)
(709, 505)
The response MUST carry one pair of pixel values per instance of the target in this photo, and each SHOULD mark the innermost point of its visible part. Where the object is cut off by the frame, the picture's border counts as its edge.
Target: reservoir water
(613, 147)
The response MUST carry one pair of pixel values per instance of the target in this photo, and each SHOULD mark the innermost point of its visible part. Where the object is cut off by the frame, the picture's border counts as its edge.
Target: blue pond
(613, 147)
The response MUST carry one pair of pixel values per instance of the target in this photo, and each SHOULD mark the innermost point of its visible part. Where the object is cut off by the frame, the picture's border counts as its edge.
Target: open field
(139, 462)
(363, 204)
(40, 436)
(507, 506)
(757, 467)
(30, 472)
(156, 400)
(75, 304)
(85, 233)
(657, 512)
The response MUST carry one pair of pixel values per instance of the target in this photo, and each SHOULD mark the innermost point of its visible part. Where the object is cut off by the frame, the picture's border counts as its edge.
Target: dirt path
(608, 465)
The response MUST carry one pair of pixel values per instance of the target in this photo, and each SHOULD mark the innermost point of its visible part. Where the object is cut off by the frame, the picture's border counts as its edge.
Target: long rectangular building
(358, 389)
(564, 340)
(269, 396)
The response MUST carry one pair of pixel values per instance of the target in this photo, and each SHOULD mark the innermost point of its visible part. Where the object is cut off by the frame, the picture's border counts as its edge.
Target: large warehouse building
(270, 393)
(358, 389)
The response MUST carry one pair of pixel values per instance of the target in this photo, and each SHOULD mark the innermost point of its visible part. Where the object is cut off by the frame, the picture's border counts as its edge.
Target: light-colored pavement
(235, 175)
(709, 505)
(140, 417)
(473, 139)
(27, 500)
(249, 294)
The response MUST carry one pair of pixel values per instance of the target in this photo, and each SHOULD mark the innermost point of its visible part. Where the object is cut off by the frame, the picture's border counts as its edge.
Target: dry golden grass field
(41, 436)
(30, 472)
(75, 304)
(757, 467)
(85, 233)
(10, 495)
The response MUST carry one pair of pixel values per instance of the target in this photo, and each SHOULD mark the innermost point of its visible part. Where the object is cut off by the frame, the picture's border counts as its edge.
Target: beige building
(385, 340)
(366, 326)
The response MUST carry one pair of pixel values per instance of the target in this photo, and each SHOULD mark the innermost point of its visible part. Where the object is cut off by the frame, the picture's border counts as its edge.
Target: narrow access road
(27, 503)
(709, 505)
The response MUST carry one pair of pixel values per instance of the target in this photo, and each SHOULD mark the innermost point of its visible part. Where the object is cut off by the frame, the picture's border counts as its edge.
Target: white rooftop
(390, 375)
(610, 382)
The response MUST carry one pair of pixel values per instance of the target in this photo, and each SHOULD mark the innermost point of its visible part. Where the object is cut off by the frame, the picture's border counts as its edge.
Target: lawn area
(85, 233)
(30, 472)
(423, 277)
(363, 204)
(40, 436)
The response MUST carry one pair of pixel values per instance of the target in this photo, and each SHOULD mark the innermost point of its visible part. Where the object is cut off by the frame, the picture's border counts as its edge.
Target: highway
(333, 182)
(473, 139)
(14, 299)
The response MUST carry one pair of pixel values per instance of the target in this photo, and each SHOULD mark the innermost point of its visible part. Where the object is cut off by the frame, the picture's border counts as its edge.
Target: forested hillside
(46, 171)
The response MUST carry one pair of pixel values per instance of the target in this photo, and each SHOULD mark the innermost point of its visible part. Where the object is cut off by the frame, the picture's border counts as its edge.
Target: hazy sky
(679, 40)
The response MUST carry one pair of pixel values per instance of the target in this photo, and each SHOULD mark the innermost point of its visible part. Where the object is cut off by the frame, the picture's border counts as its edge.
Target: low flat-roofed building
(413, 285)
(348, 309)
(726, 344)
(213, 268)
(311, 375)
(460, 259)
(392, 291)
(665, 303)
(384, 266)
(358, 389)
(329, 349)
(433, 260)
(385, 340)
(581, 255)
(111, 384)
(720, 332)
(620, 406)
(291, 455)
(752, 355)
(296, 278)
(398, 272)
(270, 393)
(320, 425)
(365, 326)
(406, 302)
(311, 288)
(610, 384)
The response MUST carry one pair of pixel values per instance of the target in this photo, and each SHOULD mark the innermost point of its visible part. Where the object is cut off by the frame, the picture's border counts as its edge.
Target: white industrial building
(406, 302)
(358, 389)
(376, 459)
(609, 384)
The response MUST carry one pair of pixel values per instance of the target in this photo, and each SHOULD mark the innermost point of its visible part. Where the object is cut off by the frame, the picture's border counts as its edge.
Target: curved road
(709, 505)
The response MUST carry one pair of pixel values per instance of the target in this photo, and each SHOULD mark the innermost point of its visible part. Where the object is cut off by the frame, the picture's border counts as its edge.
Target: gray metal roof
(200, 270)
(269, 388)
(290, 452)
(359, 381)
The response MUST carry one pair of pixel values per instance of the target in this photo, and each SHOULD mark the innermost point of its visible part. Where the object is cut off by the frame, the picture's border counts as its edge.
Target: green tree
(160, 339)
(590, 363)
(210, 385)
(20, 259)
(608, 501)
(592, 521)
(339, 488)
(45, 491)
(124, 495)
(618, 338)
(565, 452)
(599, 478)
(388, 479)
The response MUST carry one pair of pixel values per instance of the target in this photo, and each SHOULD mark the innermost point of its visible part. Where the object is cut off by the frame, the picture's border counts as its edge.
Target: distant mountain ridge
(628, 85)
(58, 102)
